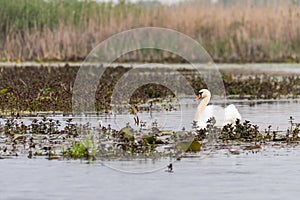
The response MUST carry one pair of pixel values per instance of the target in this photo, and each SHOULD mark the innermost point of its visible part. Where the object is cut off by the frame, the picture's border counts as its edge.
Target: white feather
(222, 115)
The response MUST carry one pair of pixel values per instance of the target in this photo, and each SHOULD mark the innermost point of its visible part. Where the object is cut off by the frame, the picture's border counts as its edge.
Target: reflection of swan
(221, 115)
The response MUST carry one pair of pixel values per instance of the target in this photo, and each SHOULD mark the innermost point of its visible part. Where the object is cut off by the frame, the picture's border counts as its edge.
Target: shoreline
(275, 67)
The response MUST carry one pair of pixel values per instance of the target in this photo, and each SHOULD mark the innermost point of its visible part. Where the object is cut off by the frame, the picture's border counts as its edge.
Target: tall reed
(68, 30)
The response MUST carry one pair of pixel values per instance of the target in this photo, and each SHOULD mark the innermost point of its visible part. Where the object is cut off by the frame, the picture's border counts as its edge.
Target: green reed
(70, 29)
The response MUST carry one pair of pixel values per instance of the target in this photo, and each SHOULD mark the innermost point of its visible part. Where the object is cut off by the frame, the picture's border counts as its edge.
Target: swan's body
(222, 116)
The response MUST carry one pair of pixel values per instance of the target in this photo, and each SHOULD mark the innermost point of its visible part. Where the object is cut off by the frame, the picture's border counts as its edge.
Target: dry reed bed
(57, 30)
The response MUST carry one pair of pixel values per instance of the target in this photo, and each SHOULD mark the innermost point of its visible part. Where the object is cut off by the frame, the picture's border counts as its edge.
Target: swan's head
(203, 93)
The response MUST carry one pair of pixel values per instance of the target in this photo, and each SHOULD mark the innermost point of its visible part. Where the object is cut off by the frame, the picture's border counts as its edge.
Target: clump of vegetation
(85, 149)
(244, 132)
(292, 133)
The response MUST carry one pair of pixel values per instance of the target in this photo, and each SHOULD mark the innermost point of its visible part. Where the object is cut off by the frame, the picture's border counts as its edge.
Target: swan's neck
(201, 107)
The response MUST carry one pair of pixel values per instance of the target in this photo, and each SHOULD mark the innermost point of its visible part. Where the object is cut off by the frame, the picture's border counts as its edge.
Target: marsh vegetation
(68, 30)
(34, 89)
(55, 139)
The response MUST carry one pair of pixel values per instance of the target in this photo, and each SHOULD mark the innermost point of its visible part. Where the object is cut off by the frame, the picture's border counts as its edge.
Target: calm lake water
(262, 113)
(271, 173)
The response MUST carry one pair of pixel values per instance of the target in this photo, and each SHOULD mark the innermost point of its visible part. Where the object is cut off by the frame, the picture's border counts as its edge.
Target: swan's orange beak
(198, 96)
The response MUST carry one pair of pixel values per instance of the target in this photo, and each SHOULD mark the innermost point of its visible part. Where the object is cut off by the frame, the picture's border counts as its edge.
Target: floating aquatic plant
(43, 138)
(29, 90)
(245, 132)
(84, 149)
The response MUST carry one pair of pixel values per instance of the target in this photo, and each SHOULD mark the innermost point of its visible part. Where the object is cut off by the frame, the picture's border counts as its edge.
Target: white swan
(221, 115)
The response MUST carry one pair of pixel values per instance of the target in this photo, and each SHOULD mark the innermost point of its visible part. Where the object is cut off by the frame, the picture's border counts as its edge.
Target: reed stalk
(69, 30)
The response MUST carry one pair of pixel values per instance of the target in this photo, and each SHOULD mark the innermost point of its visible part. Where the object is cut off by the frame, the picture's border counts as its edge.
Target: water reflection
(261, 113)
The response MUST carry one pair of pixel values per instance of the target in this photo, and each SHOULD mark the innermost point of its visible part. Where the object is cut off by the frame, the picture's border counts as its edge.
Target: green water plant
(245, 132)
(84, 149)
(43, 138)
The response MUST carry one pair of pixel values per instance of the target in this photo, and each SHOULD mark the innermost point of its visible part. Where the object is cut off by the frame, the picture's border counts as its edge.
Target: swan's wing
(204, 116)
(211, 111)
(208, 113)
(231, 114)
(218, 113)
